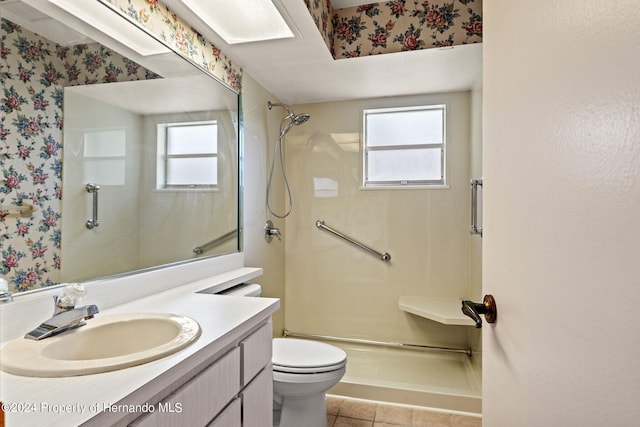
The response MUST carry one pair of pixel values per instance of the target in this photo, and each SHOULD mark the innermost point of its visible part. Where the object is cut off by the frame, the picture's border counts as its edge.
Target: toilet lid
(304, 356)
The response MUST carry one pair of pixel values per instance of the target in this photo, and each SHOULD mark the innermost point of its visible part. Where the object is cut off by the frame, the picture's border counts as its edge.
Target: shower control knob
(270, 231)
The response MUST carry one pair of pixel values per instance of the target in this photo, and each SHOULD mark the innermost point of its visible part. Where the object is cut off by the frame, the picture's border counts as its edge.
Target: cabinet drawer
(256, 352)
(230, 417)
(257, 400)
(198, 401)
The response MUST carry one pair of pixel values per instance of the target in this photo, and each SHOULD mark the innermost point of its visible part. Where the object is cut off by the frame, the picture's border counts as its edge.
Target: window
(105, 155)
(404, 146)
(188, 155)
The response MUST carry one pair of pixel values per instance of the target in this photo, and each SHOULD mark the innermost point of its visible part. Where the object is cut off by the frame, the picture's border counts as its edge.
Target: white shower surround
(448, 381)
(336, 290)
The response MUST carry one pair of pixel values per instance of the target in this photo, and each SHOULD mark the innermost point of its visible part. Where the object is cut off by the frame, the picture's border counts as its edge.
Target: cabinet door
(257, 400)
(198, 401)
(230, 417)
(256, 352)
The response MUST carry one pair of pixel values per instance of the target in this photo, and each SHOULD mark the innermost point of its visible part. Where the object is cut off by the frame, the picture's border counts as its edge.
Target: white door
(561, 246)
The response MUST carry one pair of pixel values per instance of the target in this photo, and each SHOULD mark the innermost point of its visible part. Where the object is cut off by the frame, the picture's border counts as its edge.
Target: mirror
(113, 161)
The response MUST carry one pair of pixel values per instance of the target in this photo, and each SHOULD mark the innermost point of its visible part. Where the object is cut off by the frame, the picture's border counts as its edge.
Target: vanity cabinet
(235, 390)
(230, 417)
(257, 400)
(257, 378)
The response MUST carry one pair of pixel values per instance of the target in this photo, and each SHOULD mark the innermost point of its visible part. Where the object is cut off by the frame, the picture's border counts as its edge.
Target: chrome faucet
(67, 320)
(65, 314)
(5, 295)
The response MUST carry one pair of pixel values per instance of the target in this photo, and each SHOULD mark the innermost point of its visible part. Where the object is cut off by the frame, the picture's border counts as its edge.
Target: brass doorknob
(486, 307)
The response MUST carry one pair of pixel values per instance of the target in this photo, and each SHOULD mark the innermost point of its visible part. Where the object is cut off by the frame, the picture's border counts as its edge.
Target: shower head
(300, 118)
(296, 119)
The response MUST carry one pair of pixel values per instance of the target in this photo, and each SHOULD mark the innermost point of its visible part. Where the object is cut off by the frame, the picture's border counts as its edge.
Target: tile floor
(348, 412)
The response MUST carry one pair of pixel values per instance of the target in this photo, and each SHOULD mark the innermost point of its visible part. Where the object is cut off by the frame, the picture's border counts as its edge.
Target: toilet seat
(309, 370)
(298, 356)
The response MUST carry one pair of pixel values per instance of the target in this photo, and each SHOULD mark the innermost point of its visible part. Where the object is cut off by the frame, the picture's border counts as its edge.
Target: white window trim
(163, 158)
(413, 185)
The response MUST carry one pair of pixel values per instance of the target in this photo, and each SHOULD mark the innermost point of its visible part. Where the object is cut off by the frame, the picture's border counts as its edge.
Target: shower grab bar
(25, 210)
(475, 229)
(385, 257)
(467, 351)
(93, 189)
(199, 250)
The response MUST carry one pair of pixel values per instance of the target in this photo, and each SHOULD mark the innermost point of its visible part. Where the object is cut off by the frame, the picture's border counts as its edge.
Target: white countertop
(74, 400)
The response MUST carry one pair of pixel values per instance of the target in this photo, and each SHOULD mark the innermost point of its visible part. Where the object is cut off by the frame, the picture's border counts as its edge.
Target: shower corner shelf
(443, 310)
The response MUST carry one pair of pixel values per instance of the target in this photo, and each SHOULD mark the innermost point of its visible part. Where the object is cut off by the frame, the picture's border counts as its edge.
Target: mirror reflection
(110, 165)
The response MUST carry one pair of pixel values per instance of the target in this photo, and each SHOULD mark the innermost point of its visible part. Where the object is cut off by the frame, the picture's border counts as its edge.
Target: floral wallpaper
(33, 73)
(322, 13)
(160, 21)
(397, 25)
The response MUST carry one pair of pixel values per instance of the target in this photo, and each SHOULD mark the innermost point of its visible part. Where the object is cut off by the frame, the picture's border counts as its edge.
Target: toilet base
(307, 412)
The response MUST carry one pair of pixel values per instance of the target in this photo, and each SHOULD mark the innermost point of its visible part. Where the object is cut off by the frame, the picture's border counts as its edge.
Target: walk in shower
(348, 294)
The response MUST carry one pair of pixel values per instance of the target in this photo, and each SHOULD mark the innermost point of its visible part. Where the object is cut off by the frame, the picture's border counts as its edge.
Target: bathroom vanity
(223, 379)
(231, 388)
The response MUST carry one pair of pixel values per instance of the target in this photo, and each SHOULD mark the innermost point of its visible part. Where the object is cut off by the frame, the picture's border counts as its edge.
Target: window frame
(401, 183)
(165, 156)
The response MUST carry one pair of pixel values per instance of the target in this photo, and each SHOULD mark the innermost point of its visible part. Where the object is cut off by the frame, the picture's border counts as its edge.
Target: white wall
(261, 128)
(475, 241)
(202, 214)
(114, 245)
(333, 288)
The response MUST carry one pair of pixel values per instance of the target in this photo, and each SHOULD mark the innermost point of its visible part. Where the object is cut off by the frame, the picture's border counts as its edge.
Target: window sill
(404, 187)
(186, 190)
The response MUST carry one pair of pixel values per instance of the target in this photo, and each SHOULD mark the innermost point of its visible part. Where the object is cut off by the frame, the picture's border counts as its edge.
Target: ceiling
(301, 70)
(188, 93)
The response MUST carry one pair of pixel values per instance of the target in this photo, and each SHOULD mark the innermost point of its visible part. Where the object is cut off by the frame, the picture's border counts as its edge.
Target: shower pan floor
(448, 381)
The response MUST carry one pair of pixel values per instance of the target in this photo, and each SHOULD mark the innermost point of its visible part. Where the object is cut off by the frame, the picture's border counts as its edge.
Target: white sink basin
(105, 343)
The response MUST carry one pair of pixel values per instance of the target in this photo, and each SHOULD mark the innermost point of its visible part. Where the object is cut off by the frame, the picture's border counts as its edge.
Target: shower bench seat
(441, 309)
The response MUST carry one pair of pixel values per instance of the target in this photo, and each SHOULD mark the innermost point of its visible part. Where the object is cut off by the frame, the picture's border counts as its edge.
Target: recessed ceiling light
(110, 23)
(242, 21)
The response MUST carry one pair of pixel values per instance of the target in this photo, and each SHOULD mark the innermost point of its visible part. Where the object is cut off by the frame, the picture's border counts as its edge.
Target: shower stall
(339, 288)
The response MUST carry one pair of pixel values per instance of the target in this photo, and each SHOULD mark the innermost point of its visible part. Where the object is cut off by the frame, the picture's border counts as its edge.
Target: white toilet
(303, 371)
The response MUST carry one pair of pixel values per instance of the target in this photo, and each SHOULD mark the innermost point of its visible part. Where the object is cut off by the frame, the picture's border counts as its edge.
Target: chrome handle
(93, 189)
(270, 231)
(486, 307)
(199, 250)
(475, 229)
(384, 256)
